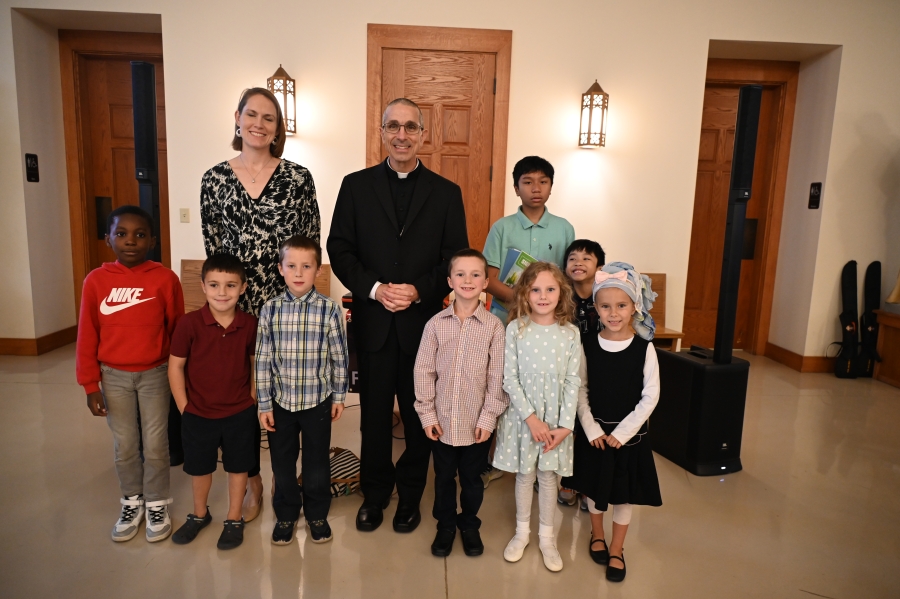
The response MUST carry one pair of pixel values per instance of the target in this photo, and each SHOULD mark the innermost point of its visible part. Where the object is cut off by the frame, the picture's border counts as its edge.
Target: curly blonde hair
(520, 308)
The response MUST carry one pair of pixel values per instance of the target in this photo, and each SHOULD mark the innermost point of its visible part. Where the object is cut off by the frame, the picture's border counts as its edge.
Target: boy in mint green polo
(532, 229)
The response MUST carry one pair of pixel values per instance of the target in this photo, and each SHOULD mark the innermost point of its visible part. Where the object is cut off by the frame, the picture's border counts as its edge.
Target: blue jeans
(126, 394)
(284, 448)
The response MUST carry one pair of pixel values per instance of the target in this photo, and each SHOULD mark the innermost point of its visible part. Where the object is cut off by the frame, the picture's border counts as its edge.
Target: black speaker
(746, 129)
(146, 149)
(699, 420)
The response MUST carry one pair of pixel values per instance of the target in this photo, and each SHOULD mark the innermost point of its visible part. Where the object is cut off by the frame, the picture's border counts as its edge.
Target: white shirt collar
(401, 175)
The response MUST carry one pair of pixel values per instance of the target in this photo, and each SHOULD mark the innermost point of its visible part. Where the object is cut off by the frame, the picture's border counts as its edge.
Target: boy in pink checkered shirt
(459, 396)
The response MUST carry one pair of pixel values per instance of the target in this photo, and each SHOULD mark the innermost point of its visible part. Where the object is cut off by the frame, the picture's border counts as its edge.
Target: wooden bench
(193, 293)
(668, 339)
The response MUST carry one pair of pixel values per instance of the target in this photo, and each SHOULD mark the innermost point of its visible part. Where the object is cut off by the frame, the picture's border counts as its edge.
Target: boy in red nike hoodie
(128, 313)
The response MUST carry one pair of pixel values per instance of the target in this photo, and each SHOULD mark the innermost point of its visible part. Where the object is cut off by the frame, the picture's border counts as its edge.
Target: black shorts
(235, 434)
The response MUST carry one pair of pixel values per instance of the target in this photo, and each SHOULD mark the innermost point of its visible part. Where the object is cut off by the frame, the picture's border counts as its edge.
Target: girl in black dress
(613, 462)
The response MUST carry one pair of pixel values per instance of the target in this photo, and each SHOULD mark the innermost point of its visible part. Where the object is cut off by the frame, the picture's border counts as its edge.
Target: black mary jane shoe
(443, 543)
(616, 574)
(370, 515)
(407, 518)
(600, 557)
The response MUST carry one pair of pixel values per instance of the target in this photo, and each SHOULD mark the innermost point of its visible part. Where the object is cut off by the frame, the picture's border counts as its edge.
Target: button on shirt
(545, 240)
(459, 374)
(301, 352)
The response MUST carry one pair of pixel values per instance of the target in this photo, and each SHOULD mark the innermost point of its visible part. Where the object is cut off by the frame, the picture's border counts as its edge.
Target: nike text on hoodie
(127, 319)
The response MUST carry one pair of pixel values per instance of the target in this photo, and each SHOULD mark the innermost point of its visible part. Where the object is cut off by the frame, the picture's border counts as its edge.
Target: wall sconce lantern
(594, 103)
(283, 87)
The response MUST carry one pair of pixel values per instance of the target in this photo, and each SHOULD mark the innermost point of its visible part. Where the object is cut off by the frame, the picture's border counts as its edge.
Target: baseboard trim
(798, 362)
(41, 345)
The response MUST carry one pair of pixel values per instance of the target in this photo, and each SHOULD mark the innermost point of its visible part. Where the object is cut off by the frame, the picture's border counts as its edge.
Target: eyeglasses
(394, 127)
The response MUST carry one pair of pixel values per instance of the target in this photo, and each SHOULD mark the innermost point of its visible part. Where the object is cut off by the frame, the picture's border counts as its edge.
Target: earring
(238, 132)
(274, 140)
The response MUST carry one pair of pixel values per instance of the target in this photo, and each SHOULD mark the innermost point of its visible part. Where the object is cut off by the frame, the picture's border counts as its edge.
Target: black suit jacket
(366, 245)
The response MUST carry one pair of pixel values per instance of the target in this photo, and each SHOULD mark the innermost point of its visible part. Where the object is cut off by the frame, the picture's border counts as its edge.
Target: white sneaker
(159, 525)
(130, 518)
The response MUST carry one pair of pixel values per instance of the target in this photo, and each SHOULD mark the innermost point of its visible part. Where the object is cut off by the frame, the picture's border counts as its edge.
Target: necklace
(253, 177)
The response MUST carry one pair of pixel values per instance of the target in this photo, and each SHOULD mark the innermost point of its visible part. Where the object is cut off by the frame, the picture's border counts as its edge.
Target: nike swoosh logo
(106, 310)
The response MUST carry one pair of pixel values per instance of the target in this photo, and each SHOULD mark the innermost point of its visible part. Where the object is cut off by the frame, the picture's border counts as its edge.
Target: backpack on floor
(344, 472)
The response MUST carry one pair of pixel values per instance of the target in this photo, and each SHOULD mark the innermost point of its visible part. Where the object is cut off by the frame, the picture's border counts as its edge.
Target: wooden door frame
(74, 44)
(784, 75)
(408, 37)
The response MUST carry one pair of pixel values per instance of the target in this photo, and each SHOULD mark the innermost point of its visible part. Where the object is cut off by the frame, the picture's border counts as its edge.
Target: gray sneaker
(130, 518)
(159, 525)
(490, 474)
(567, 496)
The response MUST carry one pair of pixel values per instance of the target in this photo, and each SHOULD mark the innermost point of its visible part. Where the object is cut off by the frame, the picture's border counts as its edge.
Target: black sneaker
(232, 535)
(319, 531)
(191, 528)
(283, 532)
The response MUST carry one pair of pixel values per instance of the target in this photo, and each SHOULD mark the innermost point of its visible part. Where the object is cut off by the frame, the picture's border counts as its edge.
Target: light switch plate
(184, 215)
(815, 196)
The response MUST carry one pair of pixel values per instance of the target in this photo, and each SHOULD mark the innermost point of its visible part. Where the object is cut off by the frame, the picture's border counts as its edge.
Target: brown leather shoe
(250, 512)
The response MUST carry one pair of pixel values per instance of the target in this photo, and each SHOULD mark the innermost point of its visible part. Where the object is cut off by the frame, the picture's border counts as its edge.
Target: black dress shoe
(616, 574)
(601, 557)
(472, 544)
(407, 518)
(443, 543)
(370, 516)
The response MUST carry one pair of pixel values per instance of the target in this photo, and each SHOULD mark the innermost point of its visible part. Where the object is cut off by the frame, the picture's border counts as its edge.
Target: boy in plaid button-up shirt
(301, 382)
(459, 396)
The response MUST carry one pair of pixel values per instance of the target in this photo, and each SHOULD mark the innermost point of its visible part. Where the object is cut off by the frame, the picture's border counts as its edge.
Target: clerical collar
(413, 172)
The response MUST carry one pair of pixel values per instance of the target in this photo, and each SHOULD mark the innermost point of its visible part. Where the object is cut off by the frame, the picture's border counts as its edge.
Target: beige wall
(16, 311)
(635, 196)
(810, 144)
(36, 49)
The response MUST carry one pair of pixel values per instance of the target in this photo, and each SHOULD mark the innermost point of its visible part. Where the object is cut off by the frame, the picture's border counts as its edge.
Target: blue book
(516, 261)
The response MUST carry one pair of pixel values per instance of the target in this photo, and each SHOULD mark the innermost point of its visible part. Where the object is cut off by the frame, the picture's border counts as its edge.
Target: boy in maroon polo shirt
(210, 376)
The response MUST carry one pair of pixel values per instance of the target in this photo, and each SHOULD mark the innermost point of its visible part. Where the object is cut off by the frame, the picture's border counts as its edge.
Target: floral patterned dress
(253, 229)
(541, 377)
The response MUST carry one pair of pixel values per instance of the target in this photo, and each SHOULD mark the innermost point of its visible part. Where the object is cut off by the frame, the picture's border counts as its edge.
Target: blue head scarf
(622, 275)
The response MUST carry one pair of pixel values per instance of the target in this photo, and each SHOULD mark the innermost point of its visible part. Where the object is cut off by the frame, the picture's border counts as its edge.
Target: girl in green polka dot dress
(542, 361)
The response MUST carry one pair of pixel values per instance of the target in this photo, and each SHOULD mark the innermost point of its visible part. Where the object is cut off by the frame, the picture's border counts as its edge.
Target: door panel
(710, 211)
(455, 92)
(108, 133)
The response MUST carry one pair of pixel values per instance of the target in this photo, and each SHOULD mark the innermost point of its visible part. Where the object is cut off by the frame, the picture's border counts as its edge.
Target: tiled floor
(814, 513)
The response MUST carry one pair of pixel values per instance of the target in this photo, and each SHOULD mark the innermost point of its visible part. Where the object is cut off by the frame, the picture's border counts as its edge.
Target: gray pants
(125, 394)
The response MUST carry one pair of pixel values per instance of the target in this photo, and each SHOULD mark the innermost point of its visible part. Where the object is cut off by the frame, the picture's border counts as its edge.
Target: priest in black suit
(394, 229)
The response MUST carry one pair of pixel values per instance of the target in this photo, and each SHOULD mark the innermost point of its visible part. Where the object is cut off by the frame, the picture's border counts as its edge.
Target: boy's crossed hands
(434, 432)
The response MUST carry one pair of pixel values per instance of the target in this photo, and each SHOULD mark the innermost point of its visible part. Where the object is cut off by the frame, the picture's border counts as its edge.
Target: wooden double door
(764, 210)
